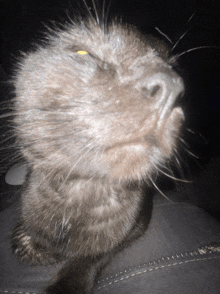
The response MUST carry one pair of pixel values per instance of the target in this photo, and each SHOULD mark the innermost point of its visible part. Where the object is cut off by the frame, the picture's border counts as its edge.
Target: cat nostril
(178, 100)
(165, 87)
(154, 90)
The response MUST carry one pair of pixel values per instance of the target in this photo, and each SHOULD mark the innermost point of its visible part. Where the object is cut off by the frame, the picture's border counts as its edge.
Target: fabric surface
(179, 253)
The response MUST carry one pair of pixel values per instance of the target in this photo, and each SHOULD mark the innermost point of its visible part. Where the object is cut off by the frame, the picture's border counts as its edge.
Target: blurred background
(191, 23)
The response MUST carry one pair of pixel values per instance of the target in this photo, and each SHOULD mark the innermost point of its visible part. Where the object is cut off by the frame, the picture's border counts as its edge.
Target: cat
(95, 116)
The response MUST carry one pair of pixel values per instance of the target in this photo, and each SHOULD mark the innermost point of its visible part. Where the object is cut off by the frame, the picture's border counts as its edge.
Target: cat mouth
(171, 122)
(176, 116)
(171, 113)
(132, 159)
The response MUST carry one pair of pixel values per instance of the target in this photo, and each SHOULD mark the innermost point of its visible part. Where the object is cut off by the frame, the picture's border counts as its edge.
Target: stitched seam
(208, 249)
(205, 250)
(157, 268)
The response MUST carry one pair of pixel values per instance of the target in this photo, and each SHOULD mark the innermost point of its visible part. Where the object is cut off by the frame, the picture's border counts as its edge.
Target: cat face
(99, 102)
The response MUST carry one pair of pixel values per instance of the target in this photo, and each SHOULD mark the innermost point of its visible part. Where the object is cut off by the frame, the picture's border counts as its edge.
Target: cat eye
(82, 52)
(78, 50)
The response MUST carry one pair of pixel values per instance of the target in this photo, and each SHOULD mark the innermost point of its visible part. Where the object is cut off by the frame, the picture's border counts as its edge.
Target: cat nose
(165, 88)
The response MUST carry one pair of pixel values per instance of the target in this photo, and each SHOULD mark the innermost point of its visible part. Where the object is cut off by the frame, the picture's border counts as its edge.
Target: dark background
(23, 22)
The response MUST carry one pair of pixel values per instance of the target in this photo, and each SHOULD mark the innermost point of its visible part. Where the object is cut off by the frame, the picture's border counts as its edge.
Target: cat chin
(137, 161)
(131, 161)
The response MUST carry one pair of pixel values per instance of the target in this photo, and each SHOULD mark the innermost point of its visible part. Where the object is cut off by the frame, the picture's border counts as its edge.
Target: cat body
(95, 116)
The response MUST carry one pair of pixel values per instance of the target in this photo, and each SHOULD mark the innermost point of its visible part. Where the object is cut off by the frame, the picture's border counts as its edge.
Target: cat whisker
(163, 34)
(177, 42)
(8, 147)
(187, 149)
(7, 139)
(69, 18)
(88, 9)
(184, 142)
(96, 12)
(164, 167)
(191, 131)
(7, 115)
(156, 187)
(173, 178)
(178, 166)
(7, 102)
(107, 12)
(192, 154)
(198, 135)
(190, 17)
(103, 12)
(177, 160)
(176, 57)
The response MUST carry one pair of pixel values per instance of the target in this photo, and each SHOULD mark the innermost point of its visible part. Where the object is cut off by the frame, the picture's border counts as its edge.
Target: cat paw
(30, 252)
